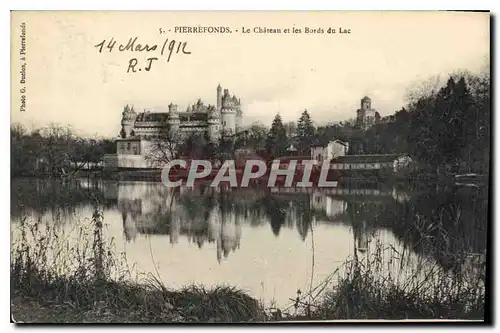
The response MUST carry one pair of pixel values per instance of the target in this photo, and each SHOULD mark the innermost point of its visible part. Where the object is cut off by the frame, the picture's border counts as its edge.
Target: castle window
(128, 145)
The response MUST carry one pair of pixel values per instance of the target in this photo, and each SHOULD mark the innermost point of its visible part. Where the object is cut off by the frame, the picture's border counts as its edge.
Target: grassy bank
(57, 278)
(64, 278)
(363, 292)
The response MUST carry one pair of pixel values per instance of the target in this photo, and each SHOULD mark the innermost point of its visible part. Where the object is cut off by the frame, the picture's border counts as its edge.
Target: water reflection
(216, 215)
(261, 239)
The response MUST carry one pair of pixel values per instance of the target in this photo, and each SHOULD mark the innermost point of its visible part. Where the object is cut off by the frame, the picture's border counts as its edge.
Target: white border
(187, 5)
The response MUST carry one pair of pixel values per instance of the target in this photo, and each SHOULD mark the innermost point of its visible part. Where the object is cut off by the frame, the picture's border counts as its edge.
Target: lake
(270, 243)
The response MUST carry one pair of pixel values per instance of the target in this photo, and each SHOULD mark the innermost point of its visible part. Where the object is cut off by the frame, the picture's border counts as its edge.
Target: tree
(305, 132)
(192, 146)
(291, 129)
(24, 151)
(442, 131)
(224, 148)
(58, 148)
(163, 148)
(276, 142)
(256, 136)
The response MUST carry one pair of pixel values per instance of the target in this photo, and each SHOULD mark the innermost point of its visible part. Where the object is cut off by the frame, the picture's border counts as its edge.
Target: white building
(329, 151)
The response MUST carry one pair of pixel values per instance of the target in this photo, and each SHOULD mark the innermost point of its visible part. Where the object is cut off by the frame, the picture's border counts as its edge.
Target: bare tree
(423, 89)
(163, 148)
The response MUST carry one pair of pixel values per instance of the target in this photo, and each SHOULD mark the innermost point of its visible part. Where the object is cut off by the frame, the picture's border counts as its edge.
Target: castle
(139, 130)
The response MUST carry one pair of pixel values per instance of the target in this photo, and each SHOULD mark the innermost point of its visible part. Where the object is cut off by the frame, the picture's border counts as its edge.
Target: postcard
(249, 166)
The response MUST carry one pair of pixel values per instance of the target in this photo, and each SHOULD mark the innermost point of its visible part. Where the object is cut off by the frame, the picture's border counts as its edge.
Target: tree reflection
(447, 223)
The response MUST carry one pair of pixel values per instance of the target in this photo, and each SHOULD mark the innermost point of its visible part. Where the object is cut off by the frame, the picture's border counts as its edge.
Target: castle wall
(128, 127)
(214, 129)
(239, 121)
(116, 161)
(228, 122)
(128, 147)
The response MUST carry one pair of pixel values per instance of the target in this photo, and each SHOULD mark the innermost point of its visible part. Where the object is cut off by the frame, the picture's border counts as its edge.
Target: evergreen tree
(276, 142)
(442, 126)
(305, 132)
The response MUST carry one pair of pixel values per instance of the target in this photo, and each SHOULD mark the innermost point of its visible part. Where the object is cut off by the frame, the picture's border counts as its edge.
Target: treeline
(444, 128)
(281, 138)
(54, 151)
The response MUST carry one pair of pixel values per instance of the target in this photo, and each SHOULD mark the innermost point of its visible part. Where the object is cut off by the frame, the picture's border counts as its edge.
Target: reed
(78, 277)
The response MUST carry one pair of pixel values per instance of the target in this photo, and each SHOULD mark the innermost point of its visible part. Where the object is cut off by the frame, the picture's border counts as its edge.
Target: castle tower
(173, 118)
(219, 98)
(213, 123)
(239, 116)
(128, 121)
(228, 113)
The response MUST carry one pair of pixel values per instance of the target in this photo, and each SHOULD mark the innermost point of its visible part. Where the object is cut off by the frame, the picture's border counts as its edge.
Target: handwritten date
(168, 48)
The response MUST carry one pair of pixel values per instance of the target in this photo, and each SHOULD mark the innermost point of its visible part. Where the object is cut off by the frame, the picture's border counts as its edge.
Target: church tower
(366, 116)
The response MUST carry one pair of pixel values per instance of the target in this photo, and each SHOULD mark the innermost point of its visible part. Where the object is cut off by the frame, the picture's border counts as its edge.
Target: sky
(68, 81)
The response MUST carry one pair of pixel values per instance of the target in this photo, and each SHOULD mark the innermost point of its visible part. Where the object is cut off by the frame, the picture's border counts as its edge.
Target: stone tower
(214, 123)
(219, 98)
(366, 116)
(239, 115)
(228, 113)
(173, 118)
(128, 120)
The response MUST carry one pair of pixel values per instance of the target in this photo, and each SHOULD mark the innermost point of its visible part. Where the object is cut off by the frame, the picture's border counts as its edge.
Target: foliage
(54, 150)
(441, 127)
(163, 148)
(256, 136)
(305, 133)
(276, 142)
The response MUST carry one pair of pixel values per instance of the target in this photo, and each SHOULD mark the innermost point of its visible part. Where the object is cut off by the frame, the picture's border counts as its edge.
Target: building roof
(341, 142)
(375, 158)
(152, 116)
(325, 142)
(285, 159)
(194, 116)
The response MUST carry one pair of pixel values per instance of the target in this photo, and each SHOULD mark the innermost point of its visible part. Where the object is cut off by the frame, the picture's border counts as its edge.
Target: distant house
(328, 151)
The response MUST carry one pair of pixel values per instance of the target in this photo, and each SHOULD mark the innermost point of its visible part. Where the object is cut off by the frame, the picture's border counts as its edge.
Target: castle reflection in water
(205, 214)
